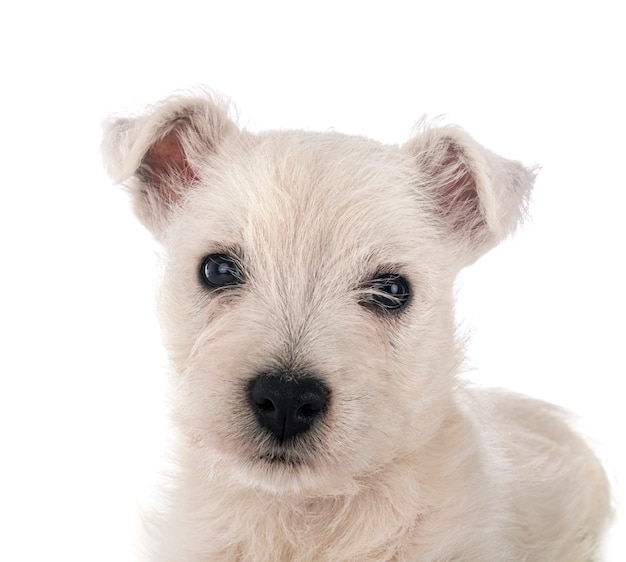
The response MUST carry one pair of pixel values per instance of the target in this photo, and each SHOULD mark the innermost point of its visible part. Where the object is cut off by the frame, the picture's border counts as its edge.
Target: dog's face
(306, 298)
(331, 277)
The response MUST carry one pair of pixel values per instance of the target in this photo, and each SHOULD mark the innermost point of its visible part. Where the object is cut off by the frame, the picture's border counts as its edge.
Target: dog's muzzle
(287, 405)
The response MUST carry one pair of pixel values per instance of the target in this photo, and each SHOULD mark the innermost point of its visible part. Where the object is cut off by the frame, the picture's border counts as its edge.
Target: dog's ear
(158, 156)
(480, 196)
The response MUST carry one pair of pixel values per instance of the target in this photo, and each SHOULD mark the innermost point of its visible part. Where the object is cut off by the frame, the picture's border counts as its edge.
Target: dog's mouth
(294, 455)
(278, 459)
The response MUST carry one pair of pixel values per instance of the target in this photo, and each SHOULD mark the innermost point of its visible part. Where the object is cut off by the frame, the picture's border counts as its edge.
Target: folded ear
(480, 196)
(158, 156)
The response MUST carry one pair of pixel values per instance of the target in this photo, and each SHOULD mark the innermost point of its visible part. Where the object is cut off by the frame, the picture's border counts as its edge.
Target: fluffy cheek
(210, 400)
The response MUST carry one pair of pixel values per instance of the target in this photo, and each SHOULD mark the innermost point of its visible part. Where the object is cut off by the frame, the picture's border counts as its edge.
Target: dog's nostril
(265, 405)
(309, 411)
(287, 405)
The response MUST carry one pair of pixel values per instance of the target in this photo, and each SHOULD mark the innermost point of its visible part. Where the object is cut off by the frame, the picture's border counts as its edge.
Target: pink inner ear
(168, 152)
(459, 197)
(165, 165)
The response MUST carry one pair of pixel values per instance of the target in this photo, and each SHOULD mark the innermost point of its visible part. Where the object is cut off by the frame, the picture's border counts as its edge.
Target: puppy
(307, 311)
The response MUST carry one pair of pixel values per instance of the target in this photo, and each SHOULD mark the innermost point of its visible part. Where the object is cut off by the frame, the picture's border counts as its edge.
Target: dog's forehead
(314, 195)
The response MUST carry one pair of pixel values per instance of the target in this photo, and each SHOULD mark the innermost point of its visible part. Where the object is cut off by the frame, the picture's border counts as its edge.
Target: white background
(81, 368)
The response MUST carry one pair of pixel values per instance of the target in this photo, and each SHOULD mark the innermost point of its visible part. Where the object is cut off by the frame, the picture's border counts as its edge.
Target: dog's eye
(390, 292)
(220, 270)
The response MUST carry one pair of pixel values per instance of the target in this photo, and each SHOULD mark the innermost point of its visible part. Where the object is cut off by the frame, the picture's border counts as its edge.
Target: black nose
(287, 405)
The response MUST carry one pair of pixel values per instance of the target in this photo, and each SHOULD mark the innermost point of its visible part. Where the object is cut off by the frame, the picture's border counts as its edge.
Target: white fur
(409, 462)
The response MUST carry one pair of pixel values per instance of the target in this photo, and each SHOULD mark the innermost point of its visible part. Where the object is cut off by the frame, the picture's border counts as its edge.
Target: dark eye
(390, 292)
(220, 270)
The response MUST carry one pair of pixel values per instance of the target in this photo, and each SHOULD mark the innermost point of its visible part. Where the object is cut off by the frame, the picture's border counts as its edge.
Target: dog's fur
(406, 462)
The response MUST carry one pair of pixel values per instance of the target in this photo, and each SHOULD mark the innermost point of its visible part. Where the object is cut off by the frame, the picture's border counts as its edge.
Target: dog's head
(306, 298)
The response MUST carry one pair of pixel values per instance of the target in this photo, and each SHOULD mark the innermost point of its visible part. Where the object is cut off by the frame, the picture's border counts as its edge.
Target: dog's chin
(280, 472)
(257, 462)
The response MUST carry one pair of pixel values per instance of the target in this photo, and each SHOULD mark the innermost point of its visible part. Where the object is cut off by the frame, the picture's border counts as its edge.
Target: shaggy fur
(406, 462)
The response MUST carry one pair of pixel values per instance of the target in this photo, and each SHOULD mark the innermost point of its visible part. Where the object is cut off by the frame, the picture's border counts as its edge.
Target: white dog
(308, 314)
